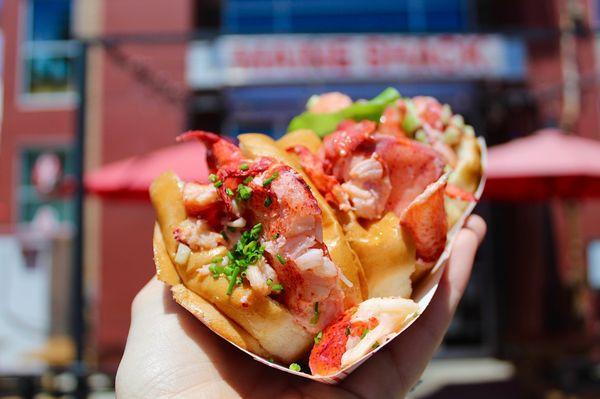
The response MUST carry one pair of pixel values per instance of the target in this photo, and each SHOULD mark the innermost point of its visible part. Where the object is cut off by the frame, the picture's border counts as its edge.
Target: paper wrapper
(422, 294)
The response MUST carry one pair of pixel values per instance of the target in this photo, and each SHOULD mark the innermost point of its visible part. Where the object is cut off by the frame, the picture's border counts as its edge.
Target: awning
(547, 164)
(131, 177)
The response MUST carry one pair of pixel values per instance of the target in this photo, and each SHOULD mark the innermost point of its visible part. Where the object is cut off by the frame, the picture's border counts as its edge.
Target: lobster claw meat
(425, 219)
(358, 331)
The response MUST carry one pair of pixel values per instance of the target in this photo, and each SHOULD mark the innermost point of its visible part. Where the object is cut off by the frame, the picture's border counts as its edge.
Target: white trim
(47, 101)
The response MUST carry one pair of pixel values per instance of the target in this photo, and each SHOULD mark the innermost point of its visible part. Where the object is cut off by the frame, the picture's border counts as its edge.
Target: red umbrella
(547, 164)
(131, 177)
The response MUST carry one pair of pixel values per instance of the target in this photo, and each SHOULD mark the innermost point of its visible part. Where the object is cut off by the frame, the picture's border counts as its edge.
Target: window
(48, 53)
(46, 183)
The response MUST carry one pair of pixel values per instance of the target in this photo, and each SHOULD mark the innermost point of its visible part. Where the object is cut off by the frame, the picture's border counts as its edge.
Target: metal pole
(77, 276)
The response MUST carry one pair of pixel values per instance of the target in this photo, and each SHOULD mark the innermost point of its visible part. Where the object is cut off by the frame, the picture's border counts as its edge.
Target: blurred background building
(155, 68)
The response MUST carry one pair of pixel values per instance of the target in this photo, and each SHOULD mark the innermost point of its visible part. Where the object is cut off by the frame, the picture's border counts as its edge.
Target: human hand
(171, 354)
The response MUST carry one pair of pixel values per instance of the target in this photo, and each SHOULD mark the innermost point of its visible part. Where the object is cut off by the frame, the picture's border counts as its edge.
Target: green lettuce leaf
(323, 124)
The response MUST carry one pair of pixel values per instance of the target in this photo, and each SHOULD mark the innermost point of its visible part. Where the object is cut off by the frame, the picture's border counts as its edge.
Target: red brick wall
(135, 120)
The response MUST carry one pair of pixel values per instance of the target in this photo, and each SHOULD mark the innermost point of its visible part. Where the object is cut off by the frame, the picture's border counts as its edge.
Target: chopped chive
(212, 178)
(295, 367)
(276, 236)
(229, 191)
(270, 179)
(218, 184)
(268, 201)
(281, 259)
(246, 251)
(315, 317)
(248, 179)
(364, 334)
(318, 337)
(244, 192)
(256, 229)
(271, 360)
(276, 288)
(347, 330)
(244, 166)
(233, 281)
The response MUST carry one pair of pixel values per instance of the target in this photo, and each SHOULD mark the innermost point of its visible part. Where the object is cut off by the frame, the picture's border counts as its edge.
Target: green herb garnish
(347, 330)
(244, 192)
(281, 259)
(255, 231)
(270, 179)
(318, 337)
(231, 229)
(244, 253)
(411, 120)
(244, 166)
(375, 345)
(276, 288)
(268, 201)
(212, 178)
(295, 367)
(315, 317)
(218, 184)
(276, 236)
(229, 191)
(421, 136)
(248, 179)
(364, 334)
(216, 270)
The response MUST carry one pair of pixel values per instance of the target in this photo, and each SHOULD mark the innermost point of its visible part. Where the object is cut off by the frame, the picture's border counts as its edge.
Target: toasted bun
(165, 270)
(387, 253)
(466, 176)
(215, 320)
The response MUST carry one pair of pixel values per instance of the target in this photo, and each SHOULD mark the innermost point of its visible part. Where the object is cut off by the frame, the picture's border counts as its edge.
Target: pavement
(467, 378)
